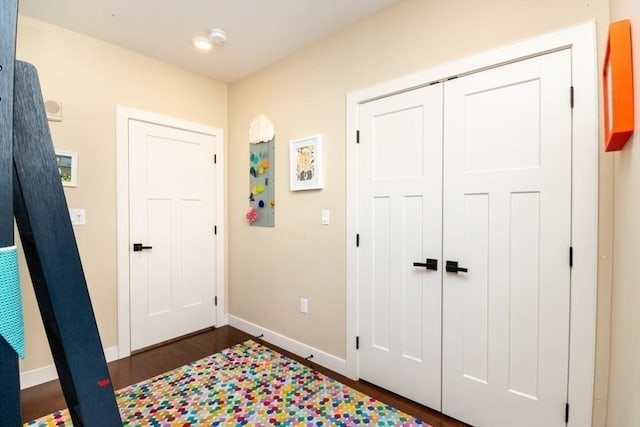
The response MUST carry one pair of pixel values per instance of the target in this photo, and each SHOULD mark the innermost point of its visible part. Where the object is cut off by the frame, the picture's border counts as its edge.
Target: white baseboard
(222, 321)
(320, 357)
(49, 373)
(38, 376)
(111, 354)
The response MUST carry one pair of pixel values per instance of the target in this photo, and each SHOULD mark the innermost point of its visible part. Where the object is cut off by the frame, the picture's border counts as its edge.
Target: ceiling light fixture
(201, 43)
(217, 36)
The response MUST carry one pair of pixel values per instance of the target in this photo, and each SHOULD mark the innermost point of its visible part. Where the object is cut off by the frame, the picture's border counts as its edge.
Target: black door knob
(431, 264)
(137, 247)
(452, 267)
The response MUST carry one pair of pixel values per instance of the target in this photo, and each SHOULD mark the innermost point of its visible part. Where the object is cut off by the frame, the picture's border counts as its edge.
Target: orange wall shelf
(617, 82)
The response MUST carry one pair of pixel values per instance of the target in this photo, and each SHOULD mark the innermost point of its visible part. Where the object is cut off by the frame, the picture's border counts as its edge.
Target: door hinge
(215, 159)
(215, 301)
(215, 230)
(571, 96)
(357, 240)
(570, 256)
(357, 343)
(357, 137)
(566, 413)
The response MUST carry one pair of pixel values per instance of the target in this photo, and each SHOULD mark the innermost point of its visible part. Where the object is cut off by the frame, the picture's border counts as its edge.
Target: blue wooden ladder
(9, 370)
(42, 216)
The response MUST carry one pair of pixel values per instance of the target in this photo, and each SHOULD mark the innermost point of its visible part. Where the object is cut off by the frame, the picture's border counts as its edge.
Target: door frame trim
(581, 39)
(123, 116)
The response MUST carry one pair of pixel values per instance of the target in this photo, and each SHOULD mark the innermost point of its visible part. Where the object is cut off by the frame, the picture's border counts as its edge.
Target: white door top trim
(566, 38)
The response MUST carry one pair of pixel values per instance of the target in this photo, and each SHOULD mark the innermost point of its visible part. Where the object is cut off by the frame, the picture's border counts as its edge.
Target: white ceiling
(259, 32)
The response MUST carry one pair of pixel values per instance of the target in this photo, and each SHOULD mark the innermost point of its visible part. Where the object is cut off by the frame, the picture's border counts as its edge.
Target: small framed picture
(305, 164)
(67, 167)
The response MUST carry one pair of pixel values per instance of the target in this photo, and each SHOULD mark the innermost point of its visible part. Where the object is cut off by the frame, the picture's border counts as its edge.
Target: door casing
(123, 116)
(581, 40)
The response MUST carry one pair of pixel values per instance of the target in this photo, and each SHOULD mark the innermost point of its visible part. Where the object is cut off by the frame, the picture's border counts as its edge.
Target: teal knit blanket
(11, 318)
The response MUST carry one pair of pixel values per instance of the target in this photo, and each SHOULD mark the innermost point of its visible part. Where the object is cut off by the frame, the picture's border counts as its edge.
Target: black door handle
(452, 267)
(137, 247)
(431, 264)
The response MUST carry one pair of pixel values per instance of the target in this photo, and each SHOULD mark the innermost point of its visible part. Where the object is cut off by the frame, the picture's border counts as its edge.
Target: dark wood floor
(46, 398)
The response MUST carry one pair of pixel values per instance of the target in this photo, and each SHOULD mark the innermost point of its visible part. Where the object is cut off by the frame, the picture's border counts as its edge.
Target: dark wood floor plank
(46, 398)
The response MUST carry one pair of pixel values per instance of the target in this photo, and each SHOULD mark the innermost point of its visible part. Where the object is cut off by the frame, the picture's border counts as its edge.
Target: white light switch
(78, 216)
(326, 216)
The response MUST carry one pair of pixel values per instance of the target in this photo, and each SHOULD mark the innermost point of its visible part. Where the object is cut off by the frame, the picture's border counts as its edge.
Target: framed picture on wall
(306, 164)
(67, 167)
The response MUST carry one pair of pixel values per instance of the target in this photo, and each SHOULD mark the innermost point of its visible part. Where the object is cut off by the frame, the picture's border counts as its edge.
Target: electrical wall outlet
(304, 305)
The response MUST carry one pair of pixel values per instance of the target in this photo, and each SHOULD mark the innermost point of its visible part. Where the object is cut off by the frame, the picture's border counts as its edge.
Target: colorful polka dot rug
(247, 384)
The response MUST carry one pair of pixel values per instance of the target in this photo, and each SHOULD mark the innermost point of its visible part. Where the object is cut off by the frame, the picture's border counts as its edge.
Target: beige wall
(624, 380)
(90, 77)
(270, 269)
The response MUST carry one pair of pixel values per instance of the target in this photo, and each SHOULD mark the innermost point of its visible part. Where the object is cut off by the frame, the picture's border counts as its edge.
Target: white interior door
(507, 219)
(172, 212)
(400, 214)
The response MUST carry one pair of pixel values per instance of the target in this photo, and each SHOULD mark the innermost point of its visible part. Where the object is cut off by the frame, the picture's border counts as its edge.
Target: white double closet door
(475, 170)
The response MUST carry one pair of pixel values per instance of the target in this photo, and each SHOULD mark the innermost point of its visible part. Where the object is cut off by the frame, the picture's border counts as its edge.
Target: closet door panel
(400, 223)
(507, 213)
